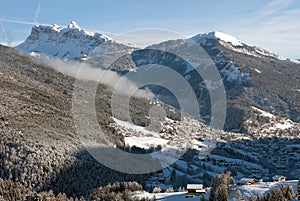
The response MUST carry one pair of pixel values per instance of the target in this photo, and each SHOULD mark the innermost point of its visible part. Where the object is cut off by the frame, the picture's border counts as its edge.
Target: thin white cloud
(7, 35)
(37, 11)
(83, 71)
(279, 34)
(145, 37)
(273, 7)
(21, 21)
(275, 26)
(11, 43)
(4, 32)
(286, 21)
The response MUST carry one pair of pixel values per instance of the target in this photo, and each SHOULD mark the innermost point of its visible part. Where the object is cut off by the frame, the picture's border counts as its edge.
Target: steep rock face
(76, 44)
(71, 43)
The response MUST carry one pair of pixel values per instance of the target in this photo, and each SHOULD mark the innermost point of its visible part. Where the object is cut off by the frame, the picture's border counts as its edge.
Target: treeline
(221, 189)
(283, 193)
(41, 169)
(118, 191)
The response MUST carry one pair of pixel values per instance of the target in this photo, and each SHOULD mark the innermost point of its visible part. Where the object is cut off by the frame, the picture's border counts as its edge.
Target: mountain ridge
(66, 43)
(238, 64)
(95, 39)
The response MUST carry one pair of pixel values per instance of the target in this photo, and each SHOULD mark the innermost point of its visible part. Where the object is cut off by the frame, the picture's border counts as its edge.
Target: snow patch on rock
(263, 113)
(217, 35)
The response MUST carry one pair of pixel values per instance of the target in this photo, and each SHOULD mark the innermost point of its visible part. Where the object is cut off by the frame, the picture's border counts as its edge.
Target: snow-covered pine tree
(238, 195)
(298, 190)
(222, 194)
(275, 194)
(220, 187)
(260, 197)
(287, 192)
(253, 198)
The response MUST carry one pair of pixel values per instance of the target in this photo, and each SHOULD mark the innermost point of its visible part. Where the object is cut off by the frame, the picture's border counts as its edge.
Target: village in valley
(256, 163)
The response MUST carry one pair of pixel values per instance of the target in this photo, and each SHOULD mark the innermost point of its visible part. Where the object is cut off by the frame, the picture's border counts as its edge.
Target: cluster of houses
(250, 181)
(199, 189)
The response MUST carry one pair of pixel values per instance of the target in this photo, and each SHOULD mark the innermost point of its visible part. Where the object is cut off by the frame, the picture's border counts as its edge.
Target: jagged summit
(73, 42)
(73, 25)
(66, 43)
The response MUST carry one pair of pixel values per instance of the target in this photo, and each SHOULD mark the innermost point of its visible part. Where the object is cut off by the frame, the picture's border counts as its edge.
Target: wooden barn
(247, 181)
(195, 189)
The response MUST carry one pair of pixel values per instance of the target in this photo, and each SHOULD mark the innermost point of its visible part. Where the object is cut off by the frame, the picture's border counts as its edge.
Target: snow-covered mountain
(71, 43)
(245, 71)
(209, 39)
(243, 68)
(75, 43)
(203, 38)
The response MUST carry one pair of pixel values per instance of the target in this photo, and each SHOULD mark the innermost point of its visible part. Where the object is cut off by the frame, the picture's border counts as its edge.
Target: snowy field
(262, 189)
(246, 190)
(176, 196)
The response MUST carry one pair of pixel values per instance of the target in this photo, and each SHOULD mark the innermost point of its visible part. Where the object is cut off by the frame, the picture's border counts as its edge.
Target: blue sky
(273, 24)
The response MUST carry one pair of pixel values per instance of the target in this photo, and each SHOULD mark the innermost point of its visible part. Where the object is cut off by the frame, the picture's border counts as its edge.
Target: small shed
(247, 181)
(195, 189)
(278, 178)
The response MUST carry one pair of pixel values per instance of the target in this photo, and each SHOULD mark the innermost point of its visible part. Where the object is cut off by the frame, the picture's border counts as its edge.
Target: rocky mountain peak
(73, 25)
(216, 35)
(67, 43)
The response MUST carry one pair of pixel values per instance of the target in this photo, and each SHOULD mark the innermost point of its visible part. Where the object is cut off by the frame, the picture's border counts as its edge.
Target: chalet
(195, 189)
(246, 181)
(278, 178)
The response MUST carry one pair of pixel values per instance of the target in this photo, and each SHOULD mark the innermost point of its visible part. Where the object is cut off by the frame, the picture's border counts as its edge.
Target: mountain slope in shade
(251, 79)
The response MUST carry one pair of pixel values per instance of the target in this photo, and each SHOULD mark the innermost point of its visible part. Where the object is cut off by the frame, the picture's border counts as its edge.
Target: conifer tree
(238, 195)
(220, 187)
(298, 190)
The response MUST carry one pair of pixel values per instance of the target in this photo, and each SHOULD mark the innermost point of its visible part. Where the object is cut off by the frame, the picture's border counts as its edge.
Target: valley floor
(246, 190)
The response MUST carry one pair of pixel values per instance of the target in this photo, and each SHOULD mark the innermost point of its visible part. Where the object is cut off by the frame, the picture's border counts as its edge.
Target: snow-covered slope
(261, 188)
(246, 190)
(69, 43)
(210, 39)
(217, 35)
